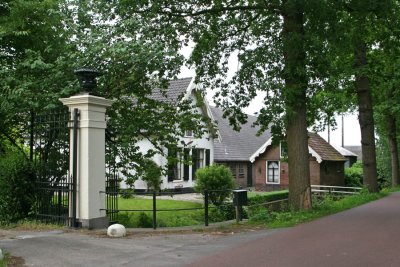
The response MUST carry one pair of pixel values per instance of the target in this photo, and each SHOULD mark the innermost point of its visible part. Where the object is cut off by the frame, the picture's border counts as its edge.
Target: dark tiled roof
(233, 145)
(176, 90)
(356, 150)
(323, 148)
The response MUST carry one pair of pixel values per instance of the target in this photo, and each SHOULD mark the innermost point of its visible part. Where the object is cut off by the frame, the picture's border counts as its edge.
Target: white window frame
(189, 133)
(279, 172)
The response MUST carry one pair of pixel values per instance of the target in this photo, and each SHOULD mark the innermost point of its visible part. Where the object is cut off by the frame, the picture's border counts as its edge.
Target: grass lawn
(144, 219)
(164, 218)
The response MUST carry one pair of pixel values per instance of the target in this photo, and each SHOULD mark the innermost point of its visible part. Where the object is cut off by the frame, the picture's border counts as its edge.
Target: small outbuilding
(272, 170)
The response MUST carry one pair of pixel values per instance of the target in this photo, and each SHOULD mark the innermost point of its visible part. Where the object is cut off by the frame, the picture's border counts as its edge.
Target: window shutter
(208, 157)
(171, 165)
(186, 165)
(194, 161)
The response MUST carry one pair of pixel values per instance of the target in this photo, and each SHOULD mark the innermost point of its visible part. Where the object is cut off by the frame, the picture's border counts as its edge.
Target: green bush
(215, 177)
(273, 196)
(127, 193)
(152, 175)
(144, 220)
(16, 187)
(353, 176)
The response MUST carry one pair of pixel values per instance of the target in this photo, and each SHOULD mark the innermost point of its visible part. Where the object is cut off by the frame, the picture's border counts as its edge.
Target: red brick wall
(260, 170)
(314, 172)
(326, 173)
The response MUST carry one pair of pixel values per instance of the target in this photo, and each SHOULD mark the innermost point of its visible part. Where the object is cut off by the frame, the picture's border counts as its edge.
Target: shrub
(260, 199)
(144, 220)
(258, 204)
(353, 176)
(226, 212)
(152, 175)
(16, 187)
(213, 178)
(127, 193)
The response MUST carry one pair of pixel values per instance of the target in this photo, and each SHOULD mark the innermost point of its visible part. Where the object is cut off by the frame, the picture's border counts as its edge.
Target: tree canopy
(312, 58)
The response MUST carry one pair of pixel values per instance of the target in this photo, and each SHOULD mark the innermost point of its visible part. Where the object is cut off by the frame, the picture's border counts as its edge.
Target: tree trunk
(365, 116)
(296, 101)
(394, 156)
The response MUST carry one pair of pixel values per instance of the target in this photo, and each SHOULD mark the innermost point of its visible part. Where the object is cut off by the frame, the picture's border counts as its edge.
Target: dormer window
(188, 133)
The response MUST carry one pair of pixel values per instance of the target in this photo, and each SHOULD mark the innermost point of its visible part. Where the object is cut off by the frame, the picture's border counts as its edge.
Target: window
(200, 159)
(188, 133)
(239, 170)
(272, 172)
(178, 166)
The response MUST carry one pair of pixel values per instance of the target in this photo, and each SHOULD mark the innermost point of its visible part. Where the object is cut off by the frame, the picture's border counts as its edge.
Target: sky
(352, 131)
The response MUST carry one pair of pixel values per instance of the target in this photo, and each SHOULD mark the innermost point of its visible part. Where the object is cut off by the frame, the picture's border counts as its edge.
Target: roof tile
(323, 148)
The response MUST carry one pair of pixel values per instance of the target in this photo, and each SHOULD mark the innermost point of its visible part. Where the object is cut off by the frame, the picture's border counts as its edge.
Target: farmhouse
(200, 150)
(256, 162)
(253, 160)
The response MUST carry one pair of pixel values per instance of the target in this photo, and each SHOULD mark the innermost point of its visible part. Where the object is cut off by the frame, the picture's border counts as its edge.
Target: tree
(39, 53)
(386, 92)
(353, 34)
(35, 64)
(279, 51)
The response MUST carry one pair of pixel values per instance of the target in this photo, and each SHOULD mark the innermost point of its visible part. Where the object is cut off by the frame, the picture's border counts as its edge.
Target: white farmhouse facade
(199, 150)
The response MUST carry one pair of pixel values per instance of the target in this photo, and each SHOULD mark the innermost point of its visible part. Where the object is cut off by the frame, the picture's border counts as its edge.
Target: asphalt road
(368, 235)
(365, 236)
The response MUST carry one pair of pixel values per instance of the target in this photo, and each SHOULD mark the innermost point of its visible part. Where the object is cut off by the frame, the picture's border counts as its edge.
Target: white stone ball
(116, 230)
(1, 255)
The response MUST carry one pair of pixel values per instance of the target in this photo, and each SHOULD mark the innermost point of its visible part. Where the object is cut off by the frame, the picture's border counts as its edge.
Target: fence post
(237, 212)
(154, 210)
(31, 136)
(206, 208)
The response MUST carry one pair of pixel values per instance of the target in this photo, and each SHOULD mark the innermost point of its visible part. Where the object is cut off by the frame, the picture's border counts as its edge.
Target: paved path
(365, 236)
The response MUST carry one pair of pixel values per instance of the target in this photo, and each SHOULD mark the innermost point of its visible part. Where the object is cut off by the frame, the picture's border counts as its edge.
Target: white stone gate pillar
(91, 158)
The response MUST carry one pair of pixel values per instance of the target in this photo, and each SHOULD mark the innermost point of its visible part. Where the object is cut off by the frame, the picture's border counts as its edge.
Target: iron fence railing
(207, 205)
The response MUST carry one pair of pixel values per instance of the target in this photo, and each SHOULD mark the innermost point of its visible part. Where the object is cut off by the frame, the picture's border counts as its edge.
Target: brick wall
(326, 173)
(260, 170)
(314, 172)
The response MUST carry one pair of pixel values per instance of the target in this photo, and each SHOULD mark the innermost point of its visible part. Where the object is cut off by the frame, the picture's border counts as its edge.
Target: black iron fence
(113, 211)
(55, 188)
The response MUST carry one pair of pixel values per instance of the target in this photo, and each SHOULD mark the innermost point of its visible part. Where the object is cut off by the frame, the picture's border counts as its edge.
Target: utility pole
(342, 130)
(329, 130)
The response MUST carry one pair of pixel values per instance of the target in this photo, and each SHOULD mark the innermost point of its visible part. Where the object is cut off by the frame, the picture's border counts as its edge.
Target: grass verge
(4, 261)
(28, 225)
(321, 208)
